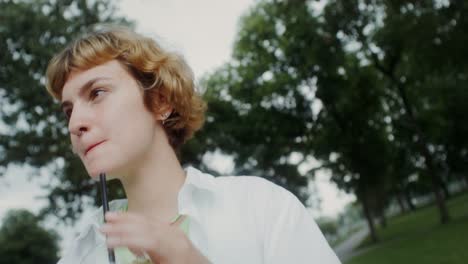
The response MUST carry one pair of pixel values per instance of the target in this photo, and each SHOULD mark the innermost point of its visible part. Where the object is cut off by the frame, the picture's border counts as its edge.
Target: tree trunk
(370, 220)
(445, 190)
(382, 218)
(440, 201)
(408, 199)
(464, 179)
(429, 160)
(400, 203)
(380, 210)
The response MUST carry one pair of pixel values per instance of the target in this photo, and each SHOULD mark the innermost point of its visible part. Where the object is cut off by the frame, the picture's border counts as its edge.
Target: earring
(164, 117)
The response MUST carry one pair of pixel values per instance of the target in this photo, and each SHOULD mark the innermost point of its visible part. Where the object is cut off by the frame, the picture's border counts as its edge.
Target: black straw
(105, 208)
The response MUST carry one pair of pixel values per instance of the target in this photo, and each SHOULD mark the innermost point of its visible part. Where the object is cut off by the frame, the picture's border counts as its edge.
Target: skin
(105, 108)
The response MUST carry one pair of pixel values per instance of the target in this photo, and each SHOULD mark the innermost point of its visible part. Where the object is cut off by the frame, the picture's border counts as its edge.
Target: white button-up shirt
(233, 219)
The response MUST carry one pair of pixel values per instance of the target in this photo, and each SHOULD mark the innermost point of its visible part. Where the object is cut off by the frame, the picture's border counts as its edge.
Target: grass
(419, 238)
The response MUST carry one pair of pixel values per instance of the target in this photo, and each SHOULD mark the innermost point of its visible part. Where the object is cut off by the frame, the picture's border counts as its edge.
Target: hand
(164, 243)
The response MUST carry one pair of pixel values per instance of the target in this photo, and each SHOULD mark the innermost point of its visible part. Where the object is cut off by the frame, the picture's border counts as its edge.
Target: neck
(152, 188)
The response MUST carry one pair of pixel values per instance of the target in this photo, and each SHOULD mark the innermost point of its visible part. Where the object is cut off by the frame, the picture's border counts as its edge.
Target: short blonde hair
(161, 73)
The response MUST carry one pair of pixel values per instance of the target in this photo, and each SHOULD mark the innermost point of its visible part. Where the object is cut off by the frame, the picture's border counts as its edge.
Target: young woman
(130, 105)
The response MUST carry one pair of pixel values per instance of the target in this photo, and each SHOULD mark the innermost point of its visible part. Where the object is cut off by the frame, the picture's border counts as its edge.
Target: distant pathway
(346, 249)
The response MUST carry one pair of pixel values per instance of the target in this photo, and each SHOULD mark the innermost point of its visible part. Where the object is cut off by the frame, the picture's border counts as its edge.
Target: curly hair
(161, 74)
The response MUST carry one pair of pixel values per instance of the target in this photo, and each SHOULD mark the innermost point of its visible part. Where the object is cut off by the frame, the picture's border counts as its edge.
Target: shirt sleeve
(291, 234)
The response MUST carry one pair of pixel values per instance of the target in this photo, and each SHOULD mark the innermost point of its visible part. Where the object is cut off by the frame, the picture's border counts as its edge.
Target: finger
(117, 216)
(129, 234)
(133, 241)
(139, 253)
(122, 217)
(121, 229)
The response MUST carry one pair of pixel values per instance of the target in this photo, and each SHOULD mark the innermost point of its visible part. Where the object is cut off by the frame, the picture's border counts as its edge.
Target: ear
(164, 109)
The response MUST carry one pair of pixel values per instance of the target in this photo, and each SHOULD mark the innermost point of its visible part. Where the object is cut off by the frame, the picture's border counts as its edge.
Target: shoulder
(242, 187)
(218, 184)
(244, 182)
(257, 192)
(259, 185)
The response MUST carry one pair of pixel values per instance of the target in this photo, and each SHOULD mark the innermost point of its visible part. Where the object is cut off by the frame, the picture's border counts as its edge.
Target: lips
(92, 146)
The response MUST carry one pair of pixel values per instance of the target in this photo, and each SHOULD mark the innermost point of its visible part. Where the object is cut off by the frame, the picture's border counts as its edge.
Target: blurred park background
(371, 93)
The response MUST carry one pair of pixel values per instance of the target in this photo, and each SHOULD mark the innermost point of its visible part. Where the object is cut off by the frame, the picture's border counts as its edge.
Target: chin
(95, 172)
(94, 175)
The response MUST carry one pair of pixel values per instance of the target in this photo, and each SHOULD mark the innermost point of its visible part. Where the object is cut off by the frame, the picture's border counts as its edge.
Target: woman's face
(110, 128)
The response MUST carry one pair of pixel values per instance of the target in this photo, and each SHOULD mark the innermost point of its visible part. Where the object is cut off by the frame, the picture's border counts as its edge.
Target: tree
(282, 57)
(364, 98)
(24, 241)
(257, 109)
(403, 41)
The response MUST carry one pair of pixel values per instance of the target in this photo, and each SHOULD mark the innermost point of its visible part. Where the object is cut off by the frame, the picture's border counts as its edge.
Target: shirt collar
(199, 180)
(198, 190)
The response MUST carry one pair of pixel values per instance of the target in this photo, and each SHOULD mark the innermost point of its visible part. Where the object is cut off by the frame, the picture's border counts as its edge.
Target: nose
(79, 122)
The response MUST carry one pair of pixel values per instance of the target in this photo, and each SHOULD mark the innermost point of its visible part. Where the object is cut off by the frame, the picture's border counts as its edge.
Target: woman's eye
(95, 93)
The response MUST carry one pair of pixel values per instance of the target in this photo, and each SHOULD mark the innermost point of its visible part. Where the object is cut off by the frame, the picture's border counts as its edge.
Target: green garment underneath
(125, 256)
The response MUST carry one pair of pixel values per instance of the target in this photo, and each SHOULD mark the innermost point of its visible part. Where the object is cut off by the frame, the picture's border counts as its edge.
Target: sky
(203, 31)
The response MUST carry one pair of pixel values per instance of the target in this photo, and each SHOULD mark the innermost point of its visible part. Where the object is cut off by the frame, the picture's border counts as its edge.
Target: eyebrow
(83, 90)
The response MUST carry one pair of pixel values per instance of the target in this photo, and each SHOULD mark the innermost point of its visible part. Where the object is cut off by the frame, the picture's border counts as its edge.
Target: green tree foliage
(24, 241)
(415, 47)
(283, 56)
(31, 32)
(372, 89)
(257, 109)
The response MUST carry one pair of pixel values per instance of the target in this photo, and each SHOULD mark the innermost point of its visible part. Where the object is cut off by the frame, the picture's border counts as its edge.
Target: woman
(130, 105)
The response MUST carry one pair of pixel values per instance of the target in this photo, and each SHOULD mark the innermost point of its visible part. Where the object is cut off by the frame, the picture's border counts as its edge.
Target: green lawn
(419, 238)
